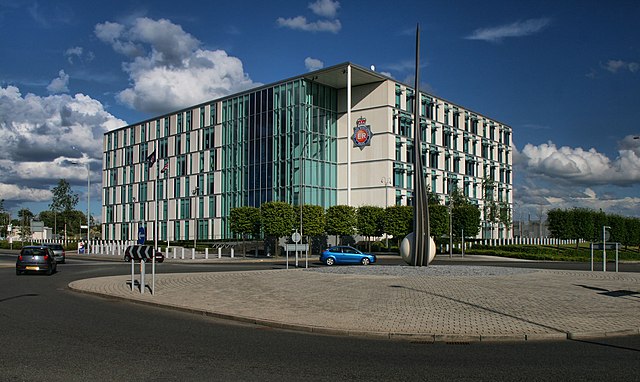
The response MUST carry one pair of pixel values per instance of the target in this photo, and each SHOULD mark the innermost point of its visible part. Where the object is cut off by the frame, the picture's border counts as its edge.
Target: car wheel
(330, 261)
(50, 271)
(365, 261)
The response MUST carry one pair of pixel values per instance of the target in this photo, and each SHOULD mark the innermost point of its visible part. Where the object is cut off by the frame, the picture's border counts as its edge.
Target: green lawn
(559, 253)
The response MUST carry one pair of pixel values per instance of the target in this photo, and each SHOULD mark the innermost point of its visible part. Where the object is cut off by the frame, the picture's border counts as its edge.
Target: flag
(165, 168)
(151, 159)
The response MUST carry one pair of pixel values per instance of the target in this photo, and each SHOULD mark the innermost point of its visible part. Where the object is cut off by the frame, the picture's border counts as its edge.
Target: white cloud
(301, 23)
(22, 193)
(77, 53)
(617, 65)
(313, 64)
(325, 8)
(168, 69)
(586, 167)
(36, 132)
(322, 8)
(59, 85)
(516, 29)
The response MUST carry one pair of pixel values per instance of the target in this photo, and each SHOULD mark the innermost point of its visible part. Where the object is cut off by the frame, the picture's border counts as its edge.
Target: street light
(88, 198)
(450, 228)
(387, 182)
(604, 247)
(195, 217)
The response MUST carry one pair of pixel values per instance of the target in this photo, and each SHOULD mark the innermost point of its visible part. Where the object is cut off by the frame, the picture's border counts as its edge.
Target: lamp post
(134, 234)
(195, 216)
(88, 199)
(450, 229)
(387, 182)
(301, 201)
(604, 247)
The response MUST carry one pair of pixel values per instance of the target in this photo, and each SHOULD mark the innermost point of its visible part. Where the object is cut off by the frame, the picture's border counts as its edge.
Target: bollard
(219, 252)
(206, 253)
(193, 253)
(232, 252)
(182, 256)
(175, 250)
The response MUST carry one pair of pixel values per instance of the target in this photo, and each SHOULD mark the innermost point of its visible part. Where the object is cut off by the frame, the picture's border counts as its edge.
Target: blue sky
(565, 75)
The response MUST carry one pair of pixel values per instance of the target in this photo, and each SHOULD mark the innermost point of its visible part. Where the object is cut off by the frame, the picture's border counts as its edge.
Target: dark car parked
(344, 254)
(36, 258)
(58, 252)
(130, 250)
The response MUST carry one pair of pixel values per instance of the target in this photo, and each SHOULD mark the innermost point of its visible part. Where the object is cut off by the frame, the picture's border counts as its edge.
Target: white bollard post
(206, 253)
(232, 252)
(175, 251)
(193, 253)
(167, 252)
(182, 256)
(219, 252)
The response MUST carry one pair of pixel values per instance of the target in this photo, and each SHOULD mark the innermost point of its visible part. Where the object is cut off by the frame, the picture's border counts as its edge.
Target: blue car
(344, 254)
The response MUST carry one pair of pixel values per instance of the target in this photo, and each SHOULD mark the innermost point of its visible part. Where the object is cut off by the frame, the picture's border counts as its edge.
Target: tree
(25, 216)
(618, 229)
(63, 200)
(438, 220)
(245, 221)
(341, 220)
(583, 224)
(313, 223)
(370, 222)
(4, 219)
(313, 219)
(491, 210)
(504, 215)
(398, 221)
(465, 215)
(277, 220)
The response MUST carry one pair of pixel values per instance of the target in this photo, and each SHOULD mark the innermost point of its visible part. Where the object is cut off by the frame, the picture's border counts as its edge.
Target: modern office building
(340, 135)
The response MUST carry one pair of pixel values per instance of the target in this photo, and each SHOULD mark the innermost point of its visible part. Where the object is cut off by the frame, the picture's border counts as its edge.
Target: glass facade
(279, 143)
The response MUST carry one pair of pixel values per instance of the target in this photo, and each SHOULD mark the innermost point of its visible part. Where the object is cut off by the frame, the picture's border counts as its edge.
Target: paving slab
(522, 305)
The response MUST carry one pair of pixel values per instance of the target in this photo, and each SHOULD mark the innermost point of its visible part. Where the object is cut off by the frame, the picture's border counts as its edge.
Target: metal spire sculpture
(422, 232)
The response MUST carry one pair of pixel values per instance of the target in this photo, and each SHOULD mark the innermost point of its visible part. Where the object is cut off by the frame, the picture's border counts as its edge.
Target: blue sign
(142, 235)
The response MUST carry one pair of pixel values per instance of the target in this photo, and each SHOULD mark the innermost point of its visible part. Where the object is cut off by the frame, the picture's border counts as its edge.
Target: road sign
(142, 235)
(598, 246)
(37, 226)
(296, 237)
(296, 247)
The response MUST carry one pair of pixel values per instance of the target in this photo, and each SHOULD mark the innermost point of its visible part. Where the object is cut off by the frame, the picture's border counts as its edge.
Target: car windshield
(34, 252)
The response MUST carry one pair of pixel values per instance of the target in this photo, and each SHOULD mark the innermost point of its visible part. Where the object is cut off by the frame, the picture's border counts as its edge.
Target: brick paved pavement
(531, 305)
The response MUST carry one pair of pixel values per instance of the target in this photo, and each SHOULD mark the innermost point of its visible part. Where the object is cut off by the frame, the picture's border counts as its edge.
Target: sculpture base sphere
(406, 249)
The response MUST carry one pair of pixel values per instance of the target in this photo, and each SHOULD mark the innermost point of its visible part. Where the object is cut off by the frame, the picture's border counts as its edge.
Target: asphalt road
(51, 333)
